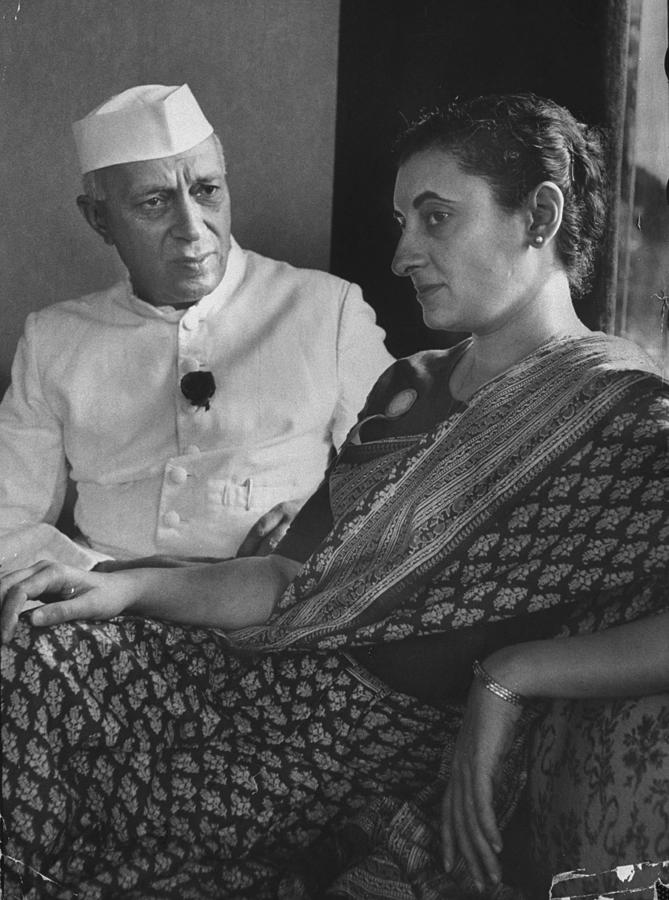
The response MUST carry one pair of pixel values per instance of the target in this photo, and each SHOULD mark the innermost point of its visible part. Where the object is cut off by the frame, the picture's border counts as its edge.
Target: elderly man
(194, 405)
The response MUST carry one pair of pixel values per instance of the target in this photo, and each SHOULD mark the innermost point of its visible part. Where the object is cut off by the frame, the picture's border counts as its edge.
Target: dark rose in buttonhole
(198, 388)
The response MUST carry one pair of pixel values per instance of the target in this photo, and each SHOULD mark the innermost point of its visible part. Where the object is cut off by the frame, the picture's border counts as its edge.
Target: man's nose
(407, 255)
(188, 222)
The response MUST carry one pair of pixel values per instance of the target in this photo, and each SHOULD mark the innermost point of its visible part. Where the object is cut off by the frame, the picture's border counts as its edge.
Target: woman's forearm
(625, 661)
(226, 595)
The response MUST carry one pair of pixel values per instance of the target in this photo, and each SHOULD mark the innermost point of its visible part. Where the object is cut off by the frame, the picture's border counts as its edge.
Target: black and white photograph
(334, 431)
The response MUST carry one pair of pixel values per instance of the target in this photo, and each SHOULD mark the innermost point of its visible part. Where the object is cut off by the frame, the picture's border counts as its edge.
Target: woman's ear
(95, 213)
(545, 205)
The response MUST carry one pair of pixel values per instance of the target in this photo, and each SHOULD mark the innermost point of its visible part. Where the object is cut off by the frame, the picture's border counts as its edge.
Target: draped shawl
(407, 555)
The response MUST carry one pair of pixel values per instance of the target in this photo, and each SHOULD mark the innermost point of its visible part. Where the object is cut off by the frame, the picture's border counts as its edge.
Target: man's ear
(545, 206)
(95, 213)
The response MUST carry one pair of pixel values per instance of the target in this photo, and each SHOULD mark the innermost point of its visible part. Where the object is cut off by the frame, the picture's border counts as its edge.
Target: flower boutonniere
(198, 388)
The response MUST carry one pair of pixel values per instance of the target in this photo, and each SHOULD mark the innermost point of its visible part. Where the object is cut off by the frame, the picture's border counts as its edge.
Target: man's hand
(468, 817)
(269, 529)
(85, 595)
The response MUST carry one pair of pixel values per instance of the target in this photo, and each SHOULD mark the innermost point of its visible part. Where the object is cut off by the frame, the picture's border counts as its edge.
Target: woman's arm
(625, 661)
(226, 595)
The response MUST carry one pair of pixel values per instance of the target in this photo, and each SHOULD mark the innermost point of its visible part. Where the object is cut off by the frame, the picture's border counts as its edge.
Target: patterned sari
(144, 759)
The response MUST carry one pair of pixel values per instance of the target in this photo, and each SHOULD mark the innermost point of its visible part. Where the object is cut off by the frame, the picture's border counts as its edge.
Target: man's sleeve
(33, 470)
(361, 358)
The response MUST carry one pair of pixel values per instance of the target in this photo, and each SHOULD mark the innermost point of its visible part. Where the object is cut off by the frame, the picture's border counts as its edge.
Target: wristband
(496, 688)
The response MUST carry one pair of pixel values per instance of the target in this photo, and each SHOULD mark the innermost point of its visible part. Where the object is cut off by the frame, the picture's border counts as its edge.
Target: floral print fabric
(144, 760)
(406, 520)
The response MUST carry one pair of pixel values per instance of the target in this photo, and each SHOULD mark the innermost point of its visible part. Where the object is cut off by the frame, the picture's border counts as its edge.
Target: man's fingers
(41, 569)
(21, 587)
(273, 539)
(252, 545)
(268, 531)
(17, 588)
(48, 579)
(9, 616)
(272, 519)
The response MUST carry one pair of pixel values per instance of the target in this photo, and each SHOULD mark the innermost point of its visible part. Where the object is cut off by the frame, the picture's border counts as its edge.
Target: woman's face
(467, 257)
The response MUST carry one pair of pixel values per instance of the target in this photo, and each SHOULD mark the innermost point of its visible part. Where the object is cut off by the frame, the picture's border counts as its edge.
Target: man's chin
(194, 288)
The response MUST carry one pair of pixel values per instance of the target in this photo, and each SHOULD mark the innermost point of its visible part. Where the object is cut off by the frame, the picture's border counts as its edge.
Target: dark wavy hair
(516, 141)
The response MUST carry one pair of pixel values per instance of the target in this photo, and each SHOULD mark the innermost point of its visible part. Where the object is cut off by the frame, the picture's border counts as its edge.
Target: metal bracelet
(496, 688)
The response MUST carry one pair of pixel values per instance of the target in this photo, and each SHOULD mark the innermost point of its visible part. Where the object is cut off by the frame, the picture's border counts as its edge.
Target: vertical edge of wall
(620, 114)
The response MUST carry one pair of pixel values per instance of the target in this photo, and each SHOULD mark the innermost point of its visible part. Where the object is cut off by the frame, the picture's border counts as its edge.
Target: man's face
(169, 219)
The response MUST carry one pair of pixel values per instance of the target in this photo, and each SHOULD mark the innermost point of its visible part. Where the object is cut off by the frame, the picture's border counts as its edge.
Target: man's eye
(436, 217)
(206, 190)
(152, 203)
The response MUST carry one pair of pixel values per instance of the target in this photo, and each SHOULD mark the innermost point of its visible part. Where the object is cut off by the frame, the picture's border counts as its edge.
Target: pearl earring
(538, 241)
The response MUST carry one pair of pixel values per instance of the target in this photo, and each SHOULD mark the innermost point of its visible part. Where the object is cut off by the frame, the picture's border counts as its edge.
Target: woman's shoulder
(414, 391)
(421, 371)
(639, 411)
(605, 371)
(646, 391)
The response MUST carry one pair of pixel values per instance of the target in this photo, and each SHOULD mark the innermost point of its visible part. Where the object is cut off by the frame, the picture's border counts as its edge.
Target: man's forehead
(204, 161)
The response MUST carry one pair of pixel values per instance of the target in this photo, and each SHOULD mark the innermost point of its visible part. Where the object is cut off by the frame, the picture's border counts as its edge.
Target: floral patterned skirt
(145, 760)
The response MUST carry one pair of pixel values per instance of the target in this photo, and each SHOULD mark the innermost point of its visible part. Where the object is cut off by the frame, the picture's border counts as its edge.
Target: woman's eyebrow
(428, 195)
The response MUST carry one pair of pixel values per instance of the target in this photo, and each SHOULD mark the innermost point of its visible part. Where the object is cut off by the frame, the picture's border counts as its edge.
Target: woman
(308, 724)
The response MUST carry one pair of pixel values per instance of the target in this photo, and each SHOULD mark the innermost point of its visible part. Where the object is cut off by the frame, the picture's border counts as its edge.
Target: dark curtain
(397, 56)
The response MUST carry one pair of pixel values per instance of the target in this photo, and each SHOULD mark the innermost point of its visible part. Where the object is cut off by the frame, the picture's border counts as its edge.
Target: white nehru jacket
(95, 386)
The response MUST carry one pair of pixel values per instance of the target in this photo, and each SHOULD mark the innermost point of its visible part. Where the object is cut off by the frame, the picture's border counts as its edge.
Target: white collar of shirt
(232, 278)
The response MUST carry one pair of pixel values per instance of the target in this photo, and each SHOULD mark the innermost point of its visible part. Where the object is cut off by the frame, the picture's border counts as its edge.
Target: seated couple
(348, 717)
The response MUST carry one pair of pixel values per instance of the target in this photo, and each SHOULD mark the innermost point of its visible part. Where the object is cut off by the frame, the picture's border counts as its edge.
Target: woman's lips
(425, 291)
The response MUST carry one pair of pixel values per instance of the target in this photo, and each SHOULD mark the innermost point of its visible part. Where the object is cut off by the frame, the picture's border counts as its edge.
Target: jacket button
(178, 475)
(171, 518)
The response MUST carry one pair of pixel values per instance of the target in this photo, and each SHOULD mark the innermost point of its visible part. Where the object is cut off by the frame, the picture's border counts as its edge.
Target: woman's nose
(407, 256)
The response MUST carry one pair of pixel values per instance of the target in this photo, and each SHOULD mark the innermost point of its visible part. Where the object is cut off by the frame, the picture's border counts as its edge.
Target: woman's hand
(86, 595)
(468, 817)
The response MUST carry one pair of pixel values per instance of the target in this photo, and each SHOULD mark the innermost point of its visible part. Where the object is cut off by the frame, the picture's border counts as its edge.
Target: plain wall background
(264, 72)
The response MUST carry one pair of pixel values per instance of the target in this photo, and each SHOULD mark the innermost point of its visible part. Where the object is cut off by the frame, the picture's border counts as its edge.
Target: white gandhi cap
(145, 122)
